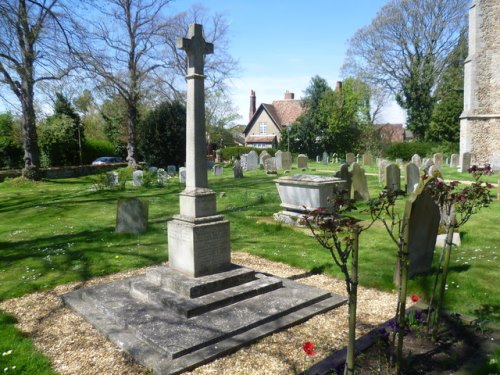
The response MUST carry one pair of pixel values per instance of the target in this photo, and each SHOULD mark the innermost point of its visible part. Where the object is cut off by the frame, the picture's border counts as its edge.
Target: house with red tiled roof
(267, 122)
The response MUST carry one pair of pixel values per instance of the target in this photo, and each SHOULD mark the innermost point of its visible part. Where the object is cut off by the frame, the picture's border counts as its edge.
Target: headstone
(412, 177)
(162, 176)
(358, 158)
(423, 222)
(426, 165)
(465, 162)
(278, 159)
(270, 166)
(171, 170)
(325, 157)
(302, 161)
(454, 160)
(112, 178)
(317, 159)
(137, 177)
(434, 170)
(359, 183)
(218, 156)
(399, 161)
(261, 157)
(252, 161)
(437, 158)
(182, 175)
(132, 216)
(243, 161)
(237, 169)
(152, 170)
(286, 160)
(335, 158)
(417, 160)
(345, 175)
(218, 170)
(382, 164)
(392, 178)
(367, 158)
(350, 158)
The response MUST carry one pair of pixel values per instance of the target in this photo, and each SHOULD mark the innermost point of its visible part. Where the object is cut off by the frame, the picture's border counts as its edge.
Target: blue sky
(281, 44)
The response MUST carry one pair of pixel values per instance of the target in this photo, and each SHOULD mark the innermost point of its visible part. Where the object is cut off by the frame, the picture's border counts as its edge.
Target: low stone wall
(66, 172)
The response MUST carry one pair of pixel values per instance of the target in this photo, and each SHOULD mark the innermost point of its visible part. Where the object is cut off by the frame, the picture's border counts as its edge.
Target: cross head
(196, 47)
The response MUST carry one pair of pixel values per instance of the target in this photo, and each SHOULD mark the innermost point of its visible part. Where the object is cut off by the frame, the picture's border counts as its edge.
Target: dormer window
(262, 128)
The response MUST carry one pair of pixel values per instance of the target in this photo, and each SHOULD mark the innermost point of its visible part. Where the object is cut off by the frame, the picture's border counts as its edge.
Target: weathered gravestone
(162, 176)
(152, 170)
(182, 175)
(200, 306)
(286, 160)
(427, 163)
(454, 160)
(367, 158)
(465, 162)
(270, 166)
(131, 216)
(435, 171)
(438, 159)
(261, 157)
(137, 177)
(350, 158)
(382, 164)
(278, 159)
(243, 161)
(346, 176)
(302, 161)
(422, 222)
(112, 178)
(412, 177)
(171, 170)
(359, 183)
(218, 170)
(237, 169)
(252, 161)
(325, 157)
(399, 161)
(417, 160)
(392, 178)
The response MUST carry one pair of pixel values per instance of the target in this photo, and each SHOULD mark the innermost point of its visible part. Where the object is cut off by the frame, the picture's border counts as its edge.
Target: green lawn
(57, 231)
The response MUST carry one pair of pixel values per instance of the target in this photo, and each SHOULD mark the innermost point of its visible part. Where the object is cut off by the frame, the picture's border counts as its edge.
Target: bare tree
(404, 51)
(34, 47)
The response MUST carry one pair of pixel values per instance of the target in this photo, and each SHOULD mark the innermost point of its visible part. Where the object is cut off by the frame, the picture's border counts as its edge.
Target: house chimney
(252, 105)
(289, 95)
(339, 86)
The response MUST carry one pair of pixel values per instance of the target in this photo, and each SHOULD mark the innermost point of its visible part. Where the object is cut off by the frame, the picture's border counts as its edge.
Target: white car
(108, 160)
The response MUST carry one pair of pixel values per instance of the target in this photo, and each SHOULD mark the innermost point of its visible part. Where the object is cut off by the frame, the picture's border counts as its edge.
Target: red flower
(414, 298)
(309, 348)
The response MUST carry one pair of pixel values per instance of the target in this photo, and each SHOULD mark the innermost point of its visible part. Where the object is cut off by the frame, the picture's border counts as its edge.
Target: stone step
(148, 292)
(191, 287)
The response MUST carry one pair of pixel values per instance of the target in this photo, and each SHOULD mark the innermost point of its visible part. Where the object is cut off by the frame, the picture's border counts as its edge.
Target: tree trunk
(131, 132)
(353, 301)
(31, 168)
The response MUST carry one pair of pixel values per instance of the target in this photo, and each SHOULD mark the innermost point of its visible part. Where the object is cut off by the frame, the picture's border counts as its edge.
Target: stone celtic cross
(196, 47)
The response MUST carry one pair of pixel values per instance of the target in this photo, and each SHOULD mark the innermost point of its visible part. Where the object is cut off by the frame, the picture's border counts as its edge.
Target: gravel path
(75, 347)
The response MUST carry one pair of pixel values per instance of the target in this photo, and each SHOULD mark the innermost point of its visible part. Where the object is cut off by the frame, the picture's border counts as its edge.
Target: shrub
(405, 150)
(237, 151)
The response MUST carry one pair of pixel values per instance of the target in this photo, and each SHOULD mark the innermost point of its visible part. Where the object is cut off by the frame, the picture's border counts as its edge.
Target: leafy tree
(219, 117)
(404, 50)
(345, 112)
(113, 112)
(162, 138)
(11, 153)
(307, 135)
(445, 119)
(34, 46)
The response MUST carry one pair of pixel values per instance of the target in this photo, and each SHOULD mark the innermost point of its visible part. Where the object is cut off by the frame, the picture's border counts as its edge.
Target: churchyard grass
(57, 231)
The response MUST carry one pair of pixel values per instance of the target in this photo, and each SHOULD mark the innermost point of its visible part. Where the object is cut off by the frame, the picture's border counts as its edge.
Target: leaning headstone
(261, 157)
(137, 177)
(345, 175)
(162, 176)
(423, 222)
(392, 178)
(252, 160)
(359, 183)
(417, 160)
(367, 158)
(302, 161)
(465, 162)
(454, 160)
(412, 177)
(350, 158)
(325, 157)
(278, 159)
(286, 160)
(131, 216)
(112, 178)
(237, 169)
(182, 175)
(438, 158)
(270, 166)
(171, 170)
(218, 170)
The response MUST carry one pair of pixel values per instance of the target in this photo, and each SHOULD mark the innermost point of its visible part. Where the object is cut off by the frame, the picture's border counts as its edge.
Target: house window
(262, 128)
